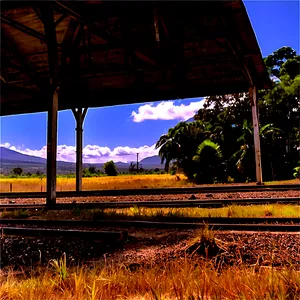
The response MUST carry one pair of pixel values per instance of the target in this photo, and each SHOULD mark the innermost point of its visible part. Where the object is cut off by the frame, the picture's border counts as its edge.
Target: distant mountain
(10, 159)
(190, 120)
(11, 155)
(151, 160)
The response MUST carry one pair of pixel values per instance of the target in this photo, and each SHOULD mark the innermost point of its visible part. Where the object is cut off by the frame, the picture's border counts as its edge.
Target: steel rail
(148, 224)
(156, 191)
(107, 220)
(83, 234)
(154, 204)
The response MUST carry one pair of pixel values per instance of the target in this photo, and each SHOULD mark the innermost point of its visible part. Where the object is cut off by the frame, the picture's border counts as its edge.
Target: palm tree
(208, 144)
(132, 167)
(267, 134)
(209, 157)
(169, 149)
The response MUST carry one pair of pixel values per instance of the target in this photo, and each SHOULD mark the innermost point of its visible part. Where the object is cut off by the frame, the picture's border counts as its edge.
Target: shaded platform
(74, 55)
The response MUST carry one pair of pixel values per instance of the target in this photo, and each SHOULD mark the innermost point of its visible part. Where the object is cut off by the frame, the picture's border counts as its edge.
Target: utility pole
(137, 162)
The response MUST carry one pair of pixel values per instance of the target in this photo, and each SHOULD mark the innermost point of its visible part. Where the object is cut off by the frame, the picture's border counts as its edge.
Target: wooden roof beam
(47, 18)
(2, 79)
(25, 66)
(56, 23)
(60, 19)
(233, 44)
(17, 25)
(23, 28)
(102, 33)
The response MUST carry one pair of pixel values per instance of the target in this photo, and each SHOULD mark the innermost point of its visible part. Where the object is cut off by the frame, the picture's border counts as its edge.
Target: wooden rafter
(163, 24)
(2, 79)
(60, 19)
(47, 18)
(23, 28)
(102, 33)
(22, 60)
(233, 44)
(70, 44)
(17, 25)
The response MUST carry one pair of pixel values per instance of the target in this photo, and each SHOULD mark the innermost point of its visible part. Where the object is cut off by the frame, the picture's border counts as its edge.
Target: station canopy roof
(105, 53)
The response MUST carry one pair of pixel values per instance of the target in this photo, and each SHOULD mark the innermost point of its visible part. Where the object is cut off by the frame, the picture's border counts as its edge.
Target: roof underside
(110, 53)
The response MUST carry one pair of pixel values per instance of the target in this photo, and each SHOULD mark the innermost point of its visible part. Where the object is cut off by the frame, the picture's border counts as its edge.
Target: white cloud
(6, 145)
(167, 110)
(92, 153)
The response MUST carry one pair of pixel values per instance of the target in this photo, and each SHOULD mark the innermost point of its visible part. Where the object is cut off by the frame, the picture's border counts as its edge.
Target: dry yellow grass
(107, 183)
(143, 213)
(96, 183)
(181, 279)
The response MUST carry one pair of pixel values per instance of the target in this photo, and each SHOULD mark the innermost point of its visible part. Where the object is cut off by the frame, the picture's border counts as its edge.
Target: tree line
(219, 147)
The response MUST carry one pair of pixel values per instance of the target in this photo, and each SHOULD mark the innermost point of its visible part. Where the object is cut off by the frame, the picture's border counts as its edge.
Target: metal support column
(253, 95)
(79, 116)
(52, 148)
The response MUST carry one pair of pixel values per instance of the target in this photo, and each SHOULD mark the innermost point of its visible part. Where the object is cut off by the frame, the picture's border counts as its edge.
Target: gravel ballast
(199, 196)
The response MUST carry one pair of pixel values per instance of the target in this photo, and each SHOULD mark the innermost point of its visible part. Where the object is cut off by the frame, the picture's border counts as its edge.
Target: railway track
(156, 191)
(214, 223)
(198, 220)
(153, 204)
(107, 236)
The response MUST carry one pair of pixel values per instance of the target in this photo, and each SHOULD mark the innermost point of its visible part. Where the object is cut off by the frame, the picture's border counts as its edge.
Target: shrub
(110, 168)
(92, 170)
(17, 171)
(86, 173)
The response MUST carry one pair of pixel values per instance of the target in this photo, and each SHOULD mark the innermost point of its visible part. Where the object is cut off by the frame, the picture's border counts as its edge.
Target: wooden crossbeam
(2, 79)
(60, 19)
(47, 18)
(25, 66)
(23, 28)
(153, 44)
(102, 33)
(233, 44)
(70, 44)
(17, 25)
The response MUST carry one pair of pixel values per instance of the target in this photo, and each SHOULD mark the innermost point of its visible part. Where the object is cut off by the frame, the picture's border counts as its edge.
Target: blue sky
(119, 132)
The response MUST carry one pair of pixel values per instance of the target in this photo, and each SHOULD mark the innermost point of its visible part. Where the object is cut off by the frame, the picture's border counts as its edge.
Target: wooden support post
(79, 116)
(45, 13)
(156, 24)
(52, 149)
(253, 100)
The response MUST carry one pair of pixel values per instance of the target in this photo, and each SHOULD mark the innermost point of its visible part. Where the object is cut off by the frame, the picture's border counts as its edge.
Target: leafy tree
(110, 168)
(275, 61)
(92, 170)
(38, 173)
(227, 121)
(86, 173)
(17, 171)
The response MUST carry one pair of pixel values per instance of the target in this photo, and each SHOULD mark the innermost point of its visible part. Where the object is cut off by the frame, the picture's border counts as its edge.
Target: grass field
(96, 183)
(182, 279)
(104, 183)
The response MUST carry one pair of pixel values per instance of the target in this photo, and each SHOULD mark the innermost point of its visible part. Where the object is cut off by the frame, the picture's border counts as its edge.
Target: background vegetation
(218, 145)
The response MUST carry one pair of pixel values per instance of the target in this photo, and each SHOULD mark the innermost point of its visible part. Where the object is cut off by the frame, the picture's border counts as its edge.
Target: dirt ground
(149, 247)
